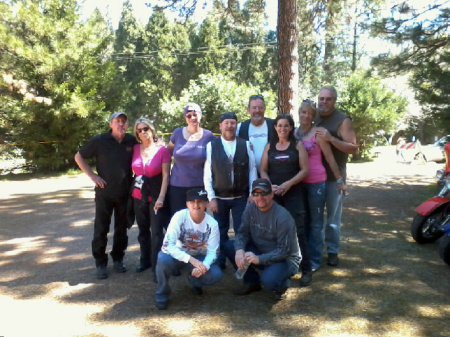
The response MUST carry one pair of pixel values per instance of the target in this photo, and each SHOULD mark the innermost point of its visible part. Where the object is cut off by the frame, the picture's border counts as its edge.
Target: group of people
(274, 180)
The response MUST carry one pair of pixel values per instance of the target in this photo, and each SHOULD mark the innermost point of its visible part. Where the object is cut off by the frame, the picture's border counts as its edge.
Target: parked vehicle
(444, 245)
(433, 152)
(432, 220)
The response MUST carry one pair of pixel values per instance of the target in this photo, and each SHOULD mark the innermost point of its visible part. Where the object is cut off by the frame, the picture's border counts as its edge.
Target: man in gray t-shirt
(266, 242)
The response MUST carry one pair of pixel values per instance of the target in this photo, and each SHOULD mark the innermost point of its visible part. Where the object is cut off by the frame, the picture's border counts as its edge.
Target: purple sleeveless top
(190, 157)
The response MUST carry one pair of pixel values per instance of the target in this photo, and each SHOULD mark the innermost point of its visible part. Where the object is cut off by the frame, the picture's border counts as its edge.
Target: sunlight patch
(67, 239)
(432, 312)
(81, 223)
(180, 327)
(53, 201)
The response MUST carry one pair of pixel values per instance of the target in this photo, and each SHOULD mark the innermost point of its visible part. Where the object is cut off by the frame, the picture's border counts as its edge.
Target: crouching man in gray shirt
(266, 242)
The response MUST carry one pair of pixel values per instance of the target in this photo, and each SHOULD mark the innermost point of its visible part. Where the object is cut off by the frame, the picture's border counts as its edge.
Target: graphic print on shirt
(281, 157)
(310, 144)
(192, 239)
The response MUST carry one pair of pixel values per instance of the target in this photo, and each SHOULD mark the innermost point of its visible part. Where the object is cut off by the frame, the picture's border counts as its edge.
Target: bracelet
(340, 181)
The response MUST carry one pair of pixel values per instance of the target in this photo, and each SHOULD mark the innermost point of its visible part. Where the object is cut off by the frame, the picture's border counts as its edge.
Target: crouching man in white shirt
(191, 232)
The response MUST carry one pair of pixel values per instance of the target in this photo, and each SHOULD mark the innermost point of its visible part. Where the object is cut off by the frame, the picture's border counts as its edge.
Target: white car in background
(434, 152)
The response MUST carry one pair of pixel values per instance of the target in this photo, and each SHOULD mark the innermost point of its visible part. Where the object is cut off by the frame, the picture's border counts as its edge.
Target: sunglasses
(144, 129)
(260, 194)
(327, 99)
(191, 115)
(309, 102)
(253, 97)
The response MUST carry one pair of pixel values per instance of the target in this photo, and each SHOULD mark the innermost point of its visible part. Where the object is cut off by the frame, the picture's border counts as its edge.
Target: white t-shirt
(258, 137)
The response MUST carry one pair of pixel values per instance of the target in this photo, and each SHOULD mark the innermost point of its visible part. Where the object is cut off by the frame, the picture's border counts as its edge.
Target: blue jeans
(334, 213)
(295, 202)
(237, 207)
(167, 266)
(274, 277)
(316, 196)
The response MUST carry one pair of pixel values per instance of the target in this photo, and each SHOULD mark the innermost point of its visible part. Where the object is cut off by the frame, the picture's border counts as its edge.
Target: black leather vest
(221, 168)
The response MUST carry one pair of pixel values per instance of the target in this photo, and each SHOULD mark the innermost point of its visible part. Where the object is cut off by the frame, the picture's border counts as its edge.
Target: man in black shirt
(113, 152)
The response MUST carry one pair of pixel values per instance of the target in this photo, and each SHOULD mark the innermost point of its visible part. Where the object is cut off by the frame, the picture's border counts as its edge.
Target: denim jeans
(295, 202)
(316, 196)
(167, 266)
(274, 277)
(237, 207)
(334, 213)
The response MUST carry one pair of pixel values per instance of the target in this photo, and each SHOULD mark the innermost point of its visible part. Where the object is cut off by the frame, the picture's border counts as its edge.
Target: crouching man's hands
(199, 268)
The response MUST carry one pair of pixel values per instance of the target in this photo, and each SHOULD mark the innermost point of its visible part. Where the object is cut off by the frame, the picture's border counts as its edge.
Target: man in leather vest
(336, 128)
(228, 175)
(258, 129)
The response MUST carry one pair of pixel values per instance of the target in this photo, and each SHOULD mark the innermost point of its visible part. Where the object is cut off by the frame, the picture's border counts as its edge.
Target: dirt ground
(385, 285)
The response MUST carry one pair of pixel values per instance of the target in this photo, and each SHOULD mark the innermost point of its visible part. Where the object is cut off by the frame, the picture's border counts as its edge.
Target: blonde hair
(149, 124)
(307, 104)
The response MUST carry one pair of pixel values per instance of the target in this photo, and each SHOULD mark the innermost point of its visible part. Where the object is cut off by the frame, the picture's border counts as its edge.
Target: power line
(198, 51)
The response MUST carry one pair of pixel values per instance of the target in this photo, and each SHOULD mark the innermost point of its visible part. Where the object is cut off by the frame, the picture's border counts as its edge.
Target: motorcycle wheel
(444, 249)
(421, 228)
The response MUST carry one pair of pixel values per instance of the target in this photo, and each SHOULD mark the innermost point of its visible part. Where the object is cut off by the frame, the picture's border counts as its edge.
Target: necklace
(193, 136)
(301, 133)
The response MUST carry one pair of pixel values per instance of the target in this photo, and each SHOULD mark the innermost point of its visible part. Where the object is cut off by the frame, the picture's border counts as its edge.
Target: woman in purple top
(151, 166)
(188, 147)
(314, 183)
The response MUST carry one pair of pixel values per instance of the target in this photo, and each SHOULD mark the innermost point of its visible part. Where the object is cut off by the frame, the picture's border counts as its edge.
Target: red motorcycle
(432, 220)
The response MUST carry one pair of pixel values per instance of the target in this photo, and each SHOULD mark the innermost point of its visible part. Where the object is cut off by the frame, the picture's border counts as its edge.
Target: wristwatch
(340, 181)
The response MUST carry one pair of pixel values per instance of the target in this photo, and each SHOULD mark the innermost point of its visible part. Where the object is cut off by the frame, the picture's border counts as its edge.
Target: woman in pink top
(314, 183)
(151, 165)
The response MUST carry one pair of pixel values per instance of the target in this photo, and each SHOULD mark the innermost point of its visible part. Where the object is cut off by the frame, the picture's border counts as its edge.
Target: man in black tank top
(336, 128)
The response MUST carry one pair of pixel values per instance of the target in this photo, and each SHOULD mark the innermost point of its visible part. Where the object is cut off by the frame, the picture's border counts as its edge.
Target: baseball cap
(228, 115)
(196, 194)
(117, 114)
(262, 184)
(192, 107)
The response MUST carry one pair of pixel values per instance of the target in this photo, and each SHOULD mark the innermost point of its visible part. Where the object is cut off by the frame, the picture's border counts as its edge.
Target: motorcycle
(432, 220)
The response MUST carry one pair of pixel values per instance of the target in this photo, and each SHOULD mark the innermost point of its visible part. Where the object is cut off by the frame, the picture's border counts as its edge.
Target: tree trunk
(288, 72)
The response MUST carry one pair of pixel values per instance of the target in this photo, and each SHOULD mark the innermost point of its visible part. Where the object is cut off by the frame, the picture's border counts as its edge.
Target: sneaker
(162, 305)
(246, 290)
(195, 290)
(119, 267)
(306, 279)
(102, 272)
(333, 259)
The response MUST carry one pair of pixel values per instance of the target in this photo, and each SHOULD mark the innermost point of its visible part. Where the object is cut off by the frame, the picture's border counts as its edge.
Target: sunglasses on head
(252, 97)
(262, 194)
(309, 101)
(144, 129)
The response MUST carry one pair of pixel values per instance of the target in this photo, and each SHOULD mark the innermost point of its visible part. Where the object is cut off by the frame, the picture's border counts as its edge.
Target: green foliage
(55, 78)
(423, 37)
(373, 108)
(215, 94)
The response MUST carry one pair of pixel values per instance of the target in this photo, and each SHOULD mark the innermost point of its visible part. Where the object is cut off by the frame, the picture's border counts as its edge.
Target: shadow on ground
(384, 280)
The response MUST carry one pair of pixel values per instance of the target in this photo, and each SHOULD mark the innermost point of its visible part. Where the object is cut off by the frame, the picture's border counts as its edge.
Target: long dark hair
(291, 137)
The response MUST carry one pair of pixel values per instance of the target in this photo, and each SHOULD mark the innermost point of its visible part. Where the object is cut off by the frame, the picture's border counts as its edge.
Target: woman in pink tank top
(314, 183)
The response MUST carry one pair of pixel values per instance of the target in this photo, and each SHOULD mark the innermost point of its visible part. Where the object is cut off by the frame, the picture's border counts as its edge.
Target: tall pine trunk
(288, 72)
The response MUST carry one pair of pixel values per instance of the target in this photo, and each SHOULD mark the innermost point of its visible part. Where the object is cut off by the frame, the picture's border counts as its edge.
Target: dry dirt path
(386, 285)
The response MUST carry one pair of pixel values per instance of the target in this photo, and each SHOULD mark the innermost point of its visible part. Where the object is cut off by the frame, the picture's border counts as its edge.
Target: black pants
(177, 198)
(151, 234)
(104, 208)
(294, 202)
